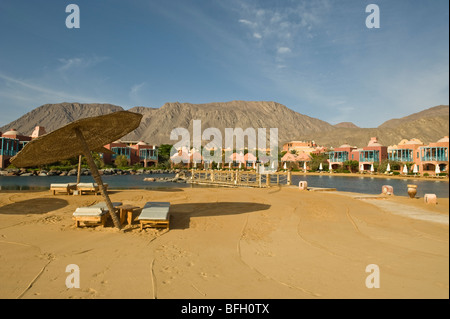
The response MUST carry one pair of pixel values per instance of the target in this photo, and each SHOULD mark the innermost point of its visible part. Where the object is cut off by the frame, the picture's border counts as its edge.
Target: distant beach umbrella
(405, 169)
(273, 165)
(304, 166)
(240, 165)
(218, 165)
(285, 167)
(361, 167)
(388, 168)
(320, 166)
(254, 166)
(437, 170)
(415, 169)
(80, 137)
(371, 168)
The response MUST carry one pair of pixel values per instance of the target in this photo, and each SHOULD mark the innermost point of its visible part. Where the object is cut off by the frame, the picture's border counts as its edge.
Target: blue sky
(316, 57)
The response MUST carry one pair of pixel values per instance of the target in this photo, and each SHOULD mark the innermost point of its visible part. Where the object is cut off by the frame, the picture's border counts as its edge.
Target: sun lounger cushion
(86, 185)
(94, 210)
(104, 206)
(59, 185)
(155, 211)
(89, 211)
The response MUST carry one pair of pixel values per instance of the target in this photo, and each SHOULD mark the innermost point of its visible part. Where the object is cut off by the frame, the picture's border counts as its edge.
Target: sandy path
(225, 243)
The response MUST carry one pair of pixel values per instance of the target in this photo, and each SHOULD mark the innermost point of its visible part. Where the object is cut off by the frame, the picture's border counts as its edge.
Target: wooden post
(79, 169)
(268, 179)
(289, 178)
(278, 179)
(259, 180)
(97, 178)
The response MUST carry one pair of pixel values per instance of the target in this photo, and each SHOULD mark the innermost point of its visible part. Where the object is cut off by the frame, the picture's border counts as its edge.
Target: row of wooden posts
(240, 178)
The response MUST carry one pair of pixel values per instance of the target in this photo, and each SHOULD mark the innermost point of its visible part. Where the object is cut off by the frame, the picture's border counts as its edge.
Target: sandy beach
(227, 243)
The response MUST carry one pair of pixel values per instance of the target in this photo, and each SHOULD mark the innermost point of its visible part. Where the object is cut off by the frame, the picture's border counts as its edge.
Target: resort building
(374, 152)
(300, 146)
(11, 142)
(135, 152)
(434, 157)
(339, 155)
(425, 157)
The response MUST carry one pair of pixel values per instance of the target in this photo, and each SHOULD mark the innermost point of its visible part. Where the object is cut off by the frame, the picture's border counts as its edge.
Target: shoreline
(118, 172)
(421, 178)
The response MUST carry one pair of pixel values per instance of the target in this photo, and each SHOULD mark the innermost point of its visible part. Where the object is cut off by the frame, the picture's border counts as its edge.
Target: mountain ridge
(428, 125)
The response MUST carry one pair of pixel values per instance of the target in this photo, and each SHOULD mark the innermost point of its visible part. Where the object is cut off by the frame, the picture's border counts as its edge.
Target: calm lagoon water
(373, 185)
(365, 185)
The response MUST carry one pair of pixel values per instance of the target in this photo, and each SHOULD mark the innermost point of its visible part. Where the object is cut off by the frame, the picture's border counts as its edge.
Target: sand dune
(226, 243)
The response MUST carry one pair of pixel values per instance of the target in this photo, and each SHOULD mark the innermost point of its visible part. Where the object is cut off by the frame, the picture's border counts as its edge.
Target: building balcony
(434, 154)
(8, 152)
(369, 156)
(148, 155)
(149, 158)
(401, 155)
(338, 157)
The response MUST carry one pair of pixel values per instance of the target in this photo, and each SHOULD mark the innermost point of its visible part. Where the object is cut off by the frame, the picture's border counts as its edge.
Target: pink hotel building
(426, 157)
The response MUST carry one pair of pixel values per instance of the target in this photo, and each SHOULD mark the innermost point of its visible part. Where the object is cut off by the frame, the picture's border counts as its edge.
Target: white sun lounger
(155, 214)
(96, 214)
(66, 188)
(89, 188)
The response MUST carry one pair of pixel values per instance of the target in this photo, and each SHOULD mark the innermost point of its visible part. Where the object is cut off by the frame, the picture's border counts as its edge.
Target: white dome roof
(443, 140)
(12, 132)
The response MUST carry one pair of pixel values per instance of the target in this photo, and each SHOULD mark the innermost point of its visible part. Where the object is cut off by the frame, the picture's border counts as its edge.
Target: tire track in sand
(239, 252)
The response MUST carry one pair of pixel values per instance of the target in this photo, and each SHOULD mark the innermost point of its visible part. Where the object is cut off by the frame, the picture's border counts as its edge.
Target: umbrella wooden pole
(79, 169)
(97, 178)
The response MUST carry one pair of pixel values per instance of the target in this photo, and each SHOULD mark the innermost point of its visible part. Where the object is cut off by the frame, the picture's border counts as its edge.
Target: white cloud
(247, 22)
(78, 62)
(136, 88)
(284, 50)
(257, 35)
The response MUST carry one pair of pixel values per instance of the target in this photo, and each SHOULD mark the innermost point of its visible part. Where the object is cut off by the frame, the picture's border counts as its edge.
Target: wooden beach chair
(155, 214)
(95, 214)
(87, 188)
(66, 188)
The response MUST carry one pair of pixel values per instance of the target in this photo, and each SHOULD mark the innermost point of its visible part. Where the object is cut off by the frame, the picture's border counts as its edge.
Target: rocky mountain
(157, 123)
(54, 116)
(345, 125)
(429, 126)
(440, 111)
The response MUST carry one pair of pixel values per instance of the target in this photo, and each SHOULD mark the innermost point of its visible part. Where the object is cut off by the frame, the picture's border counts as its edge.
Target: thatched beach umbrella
(80, 137)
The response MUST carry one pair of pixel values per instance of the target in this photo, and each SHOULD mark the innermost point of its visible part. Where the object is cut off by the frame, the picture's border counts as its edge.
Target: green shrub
(395, 173)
